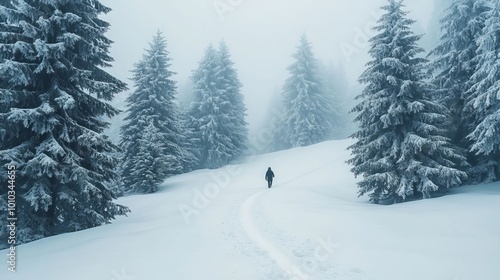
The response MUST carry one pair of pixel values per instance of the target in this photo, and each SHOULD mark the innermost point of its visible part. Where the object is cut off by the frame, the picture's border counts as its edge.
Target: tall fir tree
(153, 125)
(454, 62)
(146, 166)
(308, 111)
(53, 93)
(229, 87)
(216, 115)
(485, 100)
(191, 143)
(401, 151)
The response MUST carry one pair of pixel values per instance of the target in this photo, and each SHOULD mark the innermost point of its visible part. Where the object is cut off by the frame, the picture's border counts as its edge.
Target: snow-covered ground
(226, 224)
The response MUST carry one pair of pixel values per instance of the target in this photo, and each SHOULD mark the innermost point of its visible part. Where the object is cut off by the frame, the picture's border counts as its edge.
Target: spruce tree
(53, 93)
(147, 164)
(308, 111)
(454, 62)
(153, 124)
(191, 142)
(401, 151)
(229, 87)
(485, 100)
(216, 115)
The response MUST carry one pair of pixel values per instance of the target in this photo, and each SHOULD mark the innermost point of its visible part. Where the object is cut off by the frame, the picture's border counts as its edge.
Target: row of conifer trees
(428, 124)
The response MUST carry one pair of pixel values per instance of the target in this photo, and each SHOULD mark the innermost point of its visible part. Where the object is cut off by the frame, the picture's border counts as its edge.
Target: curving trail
(251, 229)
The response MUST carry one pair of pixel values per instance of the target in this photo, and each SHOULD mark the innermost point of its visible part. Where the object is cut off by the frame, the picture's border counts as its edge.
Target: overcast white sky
(261, 34)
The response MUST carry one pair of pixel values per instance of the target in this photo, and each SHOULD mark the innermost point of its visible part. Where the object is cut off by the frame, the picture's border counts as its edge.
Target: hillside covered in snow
(226, 224)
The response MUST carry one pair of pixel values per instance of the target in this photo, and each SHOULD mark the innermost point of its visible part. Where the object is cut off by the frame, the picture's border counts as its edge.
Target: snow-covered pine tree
(147, 164)
(216, 115)
(229, 87)
(205, 118)
(454, 62)
(191, 142)
(400, 150)
(6, 37)
(485, 100)
(151, 108)
(52, 92)
(308, 111)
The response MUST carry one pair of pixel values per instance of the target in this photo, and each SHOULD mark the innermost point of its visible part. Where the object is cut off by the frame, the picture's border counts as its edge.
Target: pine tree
(152, 110)
(308, 111)
(454, 63)
(216, 115)
(191, 142)
(53, 93)
(401, 150)
(485, 100)
(148, 168)
(206, 119)
(229, 87)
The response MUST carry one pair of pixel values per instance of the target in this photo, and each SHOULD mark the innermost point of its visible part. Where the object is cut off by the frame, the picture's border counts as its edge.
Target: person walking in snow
(269, 177)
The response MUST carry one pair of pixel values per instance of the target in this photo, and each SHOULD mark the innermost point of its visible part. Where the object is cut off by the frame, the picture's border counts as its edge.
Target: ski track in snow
(295, 265)
(246, 213)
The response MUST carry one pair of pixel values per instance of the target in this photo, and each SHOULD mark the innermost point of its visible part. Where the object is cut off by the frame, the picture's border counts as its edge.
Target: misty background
(261, 35)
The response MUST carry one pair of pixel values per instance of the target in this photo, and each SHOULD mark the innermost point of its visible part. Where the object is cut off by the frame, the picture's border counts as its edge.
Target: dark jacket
(269, 175)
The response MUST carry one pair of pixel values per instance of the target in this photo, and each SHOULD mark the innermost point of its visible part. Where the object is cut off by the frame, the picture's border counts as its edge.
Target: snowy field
(226, 224)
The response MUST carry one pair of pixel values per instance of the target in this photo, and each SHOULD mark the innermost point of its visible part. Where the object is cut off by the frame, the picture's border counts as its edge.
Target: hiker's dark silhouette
(269, 177)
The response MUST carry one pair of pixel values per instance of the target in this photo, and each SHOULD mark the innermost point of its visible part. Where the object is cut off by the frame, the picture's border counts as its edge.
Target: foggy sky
(261, 35)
